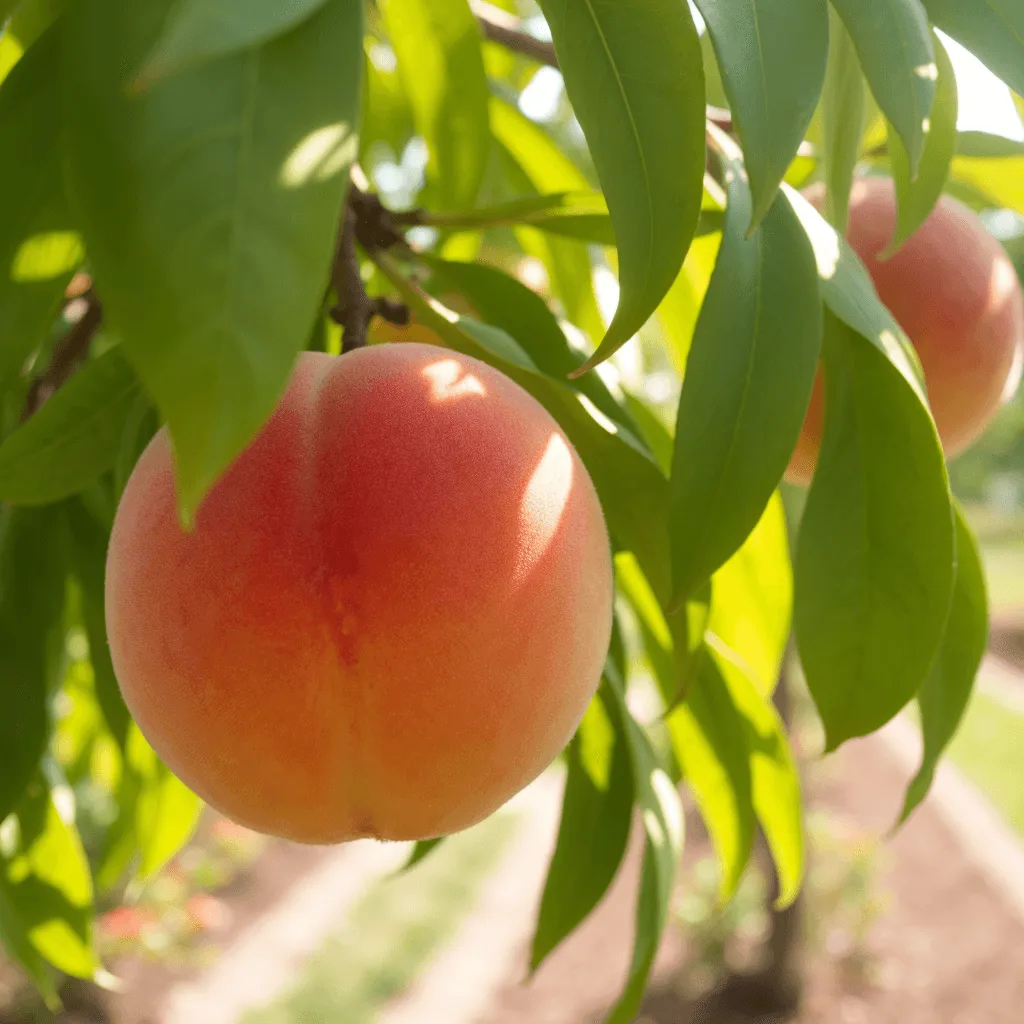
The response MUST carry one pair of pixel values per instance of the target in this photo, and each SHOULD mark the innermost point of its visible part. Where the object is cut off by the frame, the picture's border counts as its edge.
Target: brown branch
(68, 354)
(367, 221)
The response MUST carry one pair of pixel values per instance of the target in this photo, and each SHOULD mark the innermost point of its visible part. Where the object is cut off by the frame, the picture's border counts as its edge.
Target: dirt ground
(945, 950)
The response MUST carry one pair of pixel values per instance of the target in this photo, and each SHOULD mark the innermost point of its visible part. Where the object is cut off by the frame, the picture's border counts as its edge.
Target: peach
(954, 291)
(392, 611)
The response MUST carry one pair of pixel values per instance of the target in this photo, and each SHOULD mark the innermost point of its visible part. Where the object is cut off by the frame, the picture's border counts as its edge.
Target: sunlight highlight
(46, 256)
(321, 155)
(448, 380)
(544, 501)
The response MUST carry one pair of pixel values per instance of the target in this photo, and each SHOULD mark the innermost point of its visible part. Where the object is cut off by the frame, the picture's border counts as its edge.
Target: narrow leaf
(75, 436)
(916, 196)
(32, 572)
(441, 63)
(507, 303)
(895, 47)
(88, 559)
(423, 849)
(874, 564)
(199, 30)
(775, 780)
(39, 251)
(635, 78)
(985, 145)
(773, 55)
(209, 205)
(842, 122)
(597, 811)
(946, 692)
(662, 816)
(747, 386)
(993, 30)
(46, 881)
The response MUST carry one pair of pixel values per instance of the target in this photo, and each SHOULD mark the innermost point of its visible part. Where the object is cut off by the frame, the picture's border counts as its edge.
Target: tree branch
(68, 354)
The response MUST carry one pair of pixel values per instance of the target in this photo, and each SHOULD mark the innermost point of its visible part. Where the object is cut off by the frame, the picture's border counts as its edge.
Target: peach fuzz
(954, 291)
(391, 614)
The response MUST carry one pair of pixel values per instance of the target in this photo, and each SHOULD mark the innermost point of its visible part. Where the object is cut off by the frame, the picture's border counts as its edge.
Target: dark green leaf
(662, 816)
(32, 573)
(199, 30)
(773, 55)
(73, 438)
(597, 812)
(45, 878)
(505, 302)
(991, 29)
(747, 386)
(17, 946)
(946, 692)
(38, 250)
(895, 47)
(916, 196)
(140, 426)
(874, 564)
(842, 121)
(442, 68)
(209, 205)
(634, 75)
(88, 551)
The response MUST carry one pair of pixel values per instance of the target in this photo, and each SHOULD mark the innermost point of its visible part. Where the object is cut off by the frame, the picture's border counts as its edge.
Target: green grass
(392, 933)
(989, 750)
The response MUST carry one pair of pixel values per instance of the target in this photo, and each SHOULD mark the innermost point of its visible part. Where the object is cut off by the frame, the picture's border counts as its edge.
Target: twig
(68, 354)
(367, 221)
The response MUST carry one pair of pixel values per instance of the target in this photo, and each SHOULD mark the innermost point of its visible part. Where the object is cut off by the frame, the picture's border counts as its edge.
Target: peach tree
(195, 192)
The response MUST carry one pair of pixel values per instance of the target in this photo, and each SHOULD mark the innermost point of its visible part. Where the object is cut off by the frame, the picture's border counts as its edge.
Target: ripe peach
(954, 291)
(391, 614)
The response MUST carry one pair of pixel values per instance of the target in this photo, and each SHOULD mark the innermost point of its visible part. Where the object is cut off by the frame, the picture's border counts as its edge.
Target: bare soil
(945, 949)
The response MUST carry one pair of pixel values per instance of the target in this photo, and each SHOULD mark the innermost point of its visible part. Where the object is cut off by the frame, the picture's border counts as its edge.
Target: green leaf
(635, 78)
(916, 196)
(775, 780)
(874, 563)
(532, 156)
(88, 559)
(157, 815)
(597, 811)
(45, 879)
(985, 145)
(710, 743)
(993, 30)
(680, 309)
(140, 426)
(16, 944)
(1000, 179)
(946, 692)
(662, 816)
(753, 604)
(423, 849)
(32, 570)
(747, 386)
(773, 55)
(842, 122)
(441, 63)
(75, 436)
(209, 205)
(633, 492)
(39, 251)
(505, 302)
(895, 47)
(199, 30)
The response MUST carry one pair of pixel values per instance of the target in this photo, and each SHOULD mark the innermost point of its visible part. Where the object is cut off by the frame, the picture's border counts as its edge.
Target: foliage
(173, 180)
